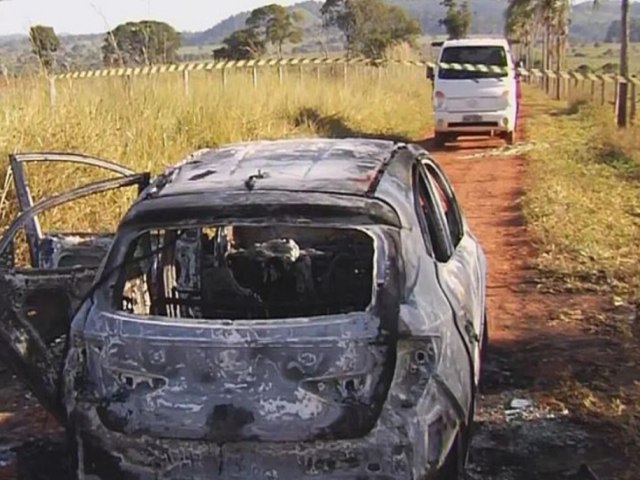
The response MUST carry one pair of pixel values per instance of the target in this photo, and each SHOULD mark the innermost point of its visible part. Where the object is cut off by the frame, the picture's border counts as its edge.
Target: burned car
(291, 309)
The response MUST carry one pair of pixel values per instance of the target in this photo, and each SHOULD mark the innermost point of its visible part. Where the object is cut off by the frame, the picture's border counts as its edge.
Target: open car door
(37, 303)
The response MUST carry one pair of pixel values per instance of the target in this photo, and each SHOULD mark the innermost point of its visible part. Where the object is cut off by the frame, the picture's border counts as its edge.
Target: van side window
(434, 231)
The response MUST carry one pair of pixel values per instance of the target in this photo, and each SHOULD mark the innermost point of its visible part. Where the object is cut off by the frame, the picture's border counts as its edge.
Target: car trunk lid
(220, 367)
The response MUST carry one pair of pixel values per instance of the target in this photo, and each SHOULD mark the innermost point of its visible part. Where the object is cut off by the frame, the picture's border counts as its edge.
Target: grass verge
(583, 200)
(582, 206)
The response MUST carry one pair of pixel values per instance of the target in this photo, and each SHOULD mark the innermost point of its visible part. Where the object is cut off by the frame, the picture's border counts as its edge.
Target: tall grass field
(149, 123)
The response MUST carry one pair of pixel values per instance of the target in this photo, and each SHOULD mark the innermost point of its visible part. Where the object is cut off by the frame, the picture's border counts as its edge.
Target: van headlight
(506, 98)
(439, 101)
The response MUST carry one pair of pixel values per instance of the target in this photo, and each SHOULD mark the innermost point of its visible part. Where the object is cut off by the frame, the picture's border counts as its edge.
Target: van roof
(485, 41)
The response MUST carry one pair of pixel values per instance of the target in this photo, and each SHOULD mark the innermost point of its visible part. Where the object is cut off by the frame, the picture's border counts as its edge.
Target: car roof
(477, 42)
(349, 166)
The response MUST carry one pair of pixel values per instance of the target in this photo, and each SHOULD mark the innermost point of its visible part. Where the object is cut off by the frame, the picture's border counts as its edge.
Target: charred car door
(461, 266)
(37, 303)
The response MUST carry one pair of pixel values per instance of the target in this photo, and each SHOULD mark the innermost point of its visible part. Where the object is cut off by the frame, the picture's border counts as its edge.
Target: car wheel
(484, 341)
(484, 350)
(454, 465)
(41, 460)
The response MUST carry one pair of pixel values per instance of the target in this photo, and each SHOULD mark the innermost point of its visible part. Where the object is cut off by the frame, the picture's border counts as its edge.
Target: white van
(475, 102)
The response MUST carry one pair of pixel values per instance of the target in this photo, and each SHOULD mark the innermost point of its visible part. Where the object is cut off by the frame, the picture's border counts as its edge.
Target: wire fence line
(601, 88)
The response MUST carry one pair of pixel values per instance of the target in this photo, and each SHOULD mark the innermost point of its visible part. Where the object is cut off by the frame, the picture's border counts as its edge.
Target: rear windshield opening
(247, 272)
(475, 55)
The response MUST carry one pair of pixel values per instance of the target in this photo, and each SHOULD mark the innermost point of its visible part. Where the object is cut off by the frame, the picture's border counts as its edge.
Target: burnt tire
(42, 460)
(454, 465)
(484, 353)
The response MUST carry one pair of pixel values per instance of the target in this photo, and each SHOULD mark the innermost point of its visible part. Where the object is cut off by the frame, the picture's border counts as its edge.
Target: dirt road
(522, 431)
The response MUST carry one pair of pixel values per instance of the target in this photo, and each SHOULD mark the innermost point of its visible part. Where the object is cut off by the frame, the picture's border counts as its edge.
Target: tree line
(546, 23)
(368, 27)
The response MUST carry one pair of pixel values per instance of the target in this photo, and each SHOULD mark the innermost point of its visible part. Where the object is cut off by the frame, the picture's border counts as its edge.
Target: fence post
(128, 84)
(224, 77)
(318, 73)
(632, 107)
(254, 74)
(185, 82)
(53, 94)
(346, 72)
(280, 74)
(603, 92)
(301, 70)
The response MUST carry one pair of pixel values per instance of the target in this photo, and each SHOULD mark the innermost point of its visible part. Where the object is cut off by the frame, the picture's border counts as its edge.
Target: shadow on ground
(547, 440)
(334, 126)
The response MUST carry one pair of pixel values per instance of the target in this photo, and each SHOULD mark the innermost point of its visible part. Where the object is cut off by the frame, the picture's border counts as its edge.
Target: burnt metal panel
(86, 190)
(262, 207)
(25, 200)
(327, 165)
(35, 315)
(36, 157)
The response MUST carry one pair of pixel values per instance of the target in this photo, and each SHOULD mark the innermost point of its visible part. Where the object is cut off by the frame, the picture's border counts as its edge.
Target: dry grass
(584, 198)
(155, 124)
(582, 205)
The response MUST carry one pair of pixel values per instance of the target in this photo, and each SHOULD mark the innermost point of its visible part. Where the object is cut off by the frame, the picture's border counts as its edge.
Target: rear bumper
(413, 434)
(462, 122)
(179, 460)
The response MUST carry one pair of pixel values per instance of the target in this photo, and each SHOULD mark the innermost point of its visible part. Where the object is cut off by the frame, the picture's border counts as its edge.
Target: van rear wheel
(440, 139)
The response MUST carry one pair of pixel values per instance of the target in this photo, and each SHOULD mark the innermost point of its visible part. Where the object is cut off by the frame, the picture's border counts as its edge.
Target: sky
(94, 16)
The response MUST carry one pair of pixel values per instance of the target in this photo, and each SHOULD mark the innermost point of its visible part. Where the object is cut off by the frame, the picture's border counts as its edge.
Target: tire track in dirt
(528, 356)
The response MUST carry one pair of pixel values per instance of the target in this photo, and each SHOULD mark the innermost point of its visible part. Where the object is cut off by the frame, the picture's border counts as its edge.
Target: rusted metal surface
(338, 347)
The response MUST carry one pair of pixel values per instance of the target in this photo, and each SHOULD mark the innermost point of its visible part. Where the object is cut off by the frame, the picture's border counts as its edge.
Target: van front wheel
(510, 137)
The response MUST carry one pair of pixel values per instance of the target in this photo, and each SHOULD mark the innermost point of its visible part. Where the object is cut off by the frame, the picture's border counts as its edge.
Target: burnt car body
(270, 310)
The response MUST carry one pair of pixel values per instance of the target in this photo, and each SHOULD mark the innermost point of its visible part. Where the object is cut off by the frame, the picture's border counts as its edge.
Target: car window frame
(435, 234)
(453, 214)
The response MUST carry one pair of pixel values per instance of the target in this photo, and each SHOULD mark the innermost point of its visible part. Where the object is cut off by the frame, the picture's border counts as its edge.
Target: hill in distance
(587, 24)
(83, 51)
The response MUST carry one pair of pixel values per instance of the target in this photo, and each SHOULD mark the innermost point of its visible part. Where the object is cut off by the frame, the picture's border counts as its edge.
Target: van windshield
(475, 55)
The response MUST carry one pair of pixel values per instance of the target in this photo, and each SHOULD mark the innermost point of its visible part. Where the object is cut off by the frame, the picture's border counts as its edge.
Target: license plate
(471, 118)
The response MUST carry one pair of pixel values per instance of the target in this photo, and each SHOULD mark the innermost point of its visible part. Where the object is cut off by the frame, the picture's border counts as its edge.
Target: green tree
(370, 27)
(276, 25)
(241, 45)
(527, 20)
(457, 18)
(44, 44)
(615, 31)
(140, 43)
